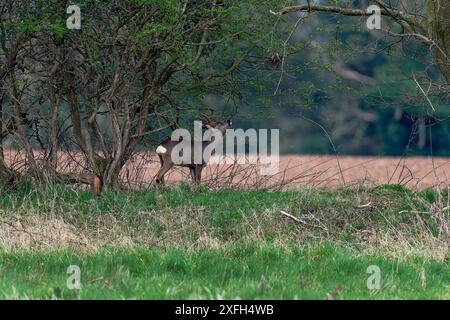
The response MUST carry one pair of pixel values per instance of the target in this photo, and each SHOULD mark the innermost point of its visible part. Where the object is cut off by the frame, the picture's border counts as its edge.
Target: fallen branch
(290, 216)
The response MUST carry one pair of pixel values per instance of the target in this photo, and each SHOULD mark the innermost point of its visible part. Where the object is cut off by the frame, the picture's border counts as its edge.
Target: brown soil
(295, 171)
(330, 171)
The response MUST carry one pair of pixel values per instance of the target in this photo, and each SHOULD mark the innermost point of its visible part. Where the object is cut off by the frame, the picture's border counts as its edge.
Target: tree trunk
(2, 155)
(438, 15)
(53, 135)
(110, 180)
(20, 129)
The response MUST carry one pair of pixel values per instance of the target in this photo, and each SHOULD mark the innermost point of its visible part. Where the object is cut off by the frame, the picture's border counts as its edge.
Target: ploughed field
(295, 171)
(328, 171)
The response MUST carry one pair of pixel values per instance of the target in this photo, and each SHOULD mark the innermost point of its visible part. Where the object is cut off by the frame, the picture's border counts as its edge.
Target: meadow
(192, 243)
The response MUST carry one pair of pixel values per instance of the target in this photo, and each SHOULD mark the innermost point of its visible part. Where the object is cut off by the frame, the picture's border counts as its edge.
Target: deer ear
(207, 126)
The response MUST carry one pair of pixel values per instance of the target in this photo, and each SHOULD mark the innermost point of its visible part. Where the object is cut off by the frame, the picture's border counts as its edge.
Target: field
(192, 243)
(295, 171)
(299, 171)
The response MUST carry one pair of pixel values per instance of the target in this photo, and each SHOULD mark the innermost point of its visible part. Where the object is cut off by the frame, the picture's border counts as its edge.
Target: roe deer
(164, 152)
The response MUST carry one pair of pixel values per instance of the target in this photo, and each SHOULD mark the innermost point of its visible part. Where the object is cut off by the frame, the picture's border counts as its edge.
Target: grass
(240, 272)
(184, 243)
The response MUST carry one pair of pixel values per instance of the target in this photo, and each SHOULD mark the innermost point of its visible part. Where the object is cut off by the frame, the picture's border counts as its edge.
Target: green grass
(184, 243)
(244, 272)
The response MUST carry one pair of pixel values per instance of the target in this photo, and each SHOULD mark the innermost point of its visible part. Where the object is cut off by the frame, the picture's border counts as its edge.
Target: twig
(298, 220)
(424, 94)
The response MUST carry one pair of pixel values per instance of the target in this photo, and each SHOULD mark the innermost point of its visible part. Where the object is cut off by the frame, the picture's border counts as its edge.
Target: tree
(105, 89)
(431, 29)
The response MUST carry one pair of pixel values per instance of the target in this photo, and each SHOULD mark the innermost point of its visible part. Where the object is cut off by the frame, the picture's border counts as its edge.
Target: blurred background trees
(376, 92)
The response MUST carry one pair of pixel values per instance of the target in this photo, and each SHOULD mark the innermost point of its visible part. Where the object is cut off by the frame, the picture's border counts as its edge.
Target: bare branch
(397, 14)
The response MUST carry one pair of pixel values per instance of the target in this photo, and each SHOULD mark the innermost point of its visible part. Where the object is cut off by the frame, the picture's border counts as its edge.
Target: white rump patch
(161, 150)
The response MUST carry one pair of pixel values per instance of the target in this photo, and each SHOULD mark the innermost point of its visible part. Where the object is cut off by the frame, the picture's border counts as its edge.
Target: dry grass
(395, 223)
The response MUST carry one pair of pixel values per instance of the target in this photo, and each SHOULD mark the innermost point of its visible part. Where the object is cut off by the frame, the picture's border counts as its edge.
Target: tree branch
(396, 14)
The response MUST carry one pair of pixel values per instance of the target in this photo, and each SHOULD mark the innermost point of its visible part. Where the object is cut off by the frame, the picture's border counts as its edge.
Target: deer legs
(167, 164)
(196, 173)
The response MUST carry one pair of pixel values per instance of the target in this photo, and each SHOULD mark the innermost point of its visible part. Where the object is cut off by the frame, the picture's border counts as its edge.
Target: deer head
(214, 125)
